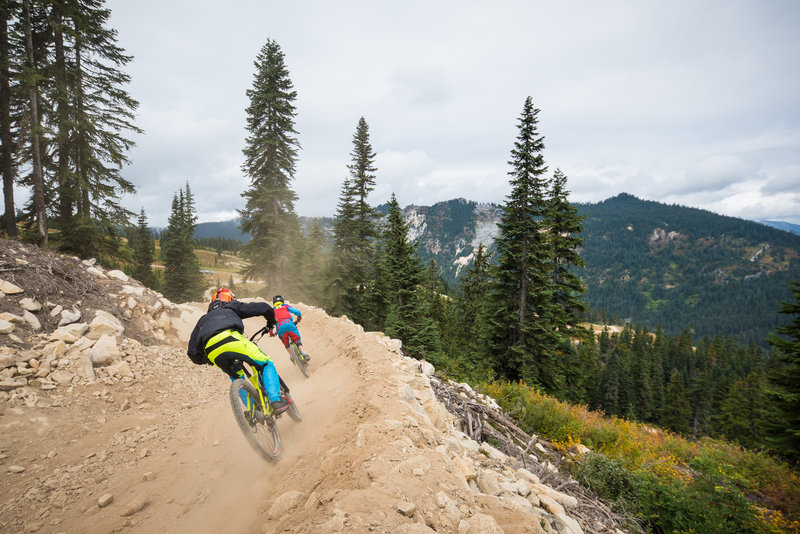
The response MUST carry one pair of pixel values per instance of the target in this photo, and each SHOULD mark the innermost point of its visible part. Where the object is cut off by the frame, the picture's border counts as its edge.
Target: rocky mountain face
(109, 426)
(450, 232)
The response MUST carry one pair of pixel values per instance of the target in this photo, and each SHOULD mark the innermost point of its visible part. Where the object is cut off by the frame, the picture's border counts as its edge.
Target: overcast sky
(682, 102)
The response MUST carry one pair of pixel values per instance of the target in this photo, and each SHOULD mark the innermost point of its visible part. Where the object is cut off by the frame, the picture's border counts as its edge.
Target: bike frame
(254, 377)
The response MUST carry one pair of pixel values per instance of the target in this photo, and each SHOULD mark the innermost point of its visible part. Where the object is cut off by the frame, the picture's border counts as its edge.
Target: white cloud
(676, 101)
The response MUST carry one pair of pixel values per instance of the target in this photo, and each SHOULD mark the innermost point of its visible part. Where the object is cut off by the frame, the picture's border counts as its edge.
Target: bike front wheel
(258, 427)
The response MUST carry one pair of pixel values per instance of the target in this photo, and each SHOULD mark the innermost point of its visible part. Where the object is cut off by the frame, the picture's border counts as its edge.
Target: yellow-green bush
(671, 483)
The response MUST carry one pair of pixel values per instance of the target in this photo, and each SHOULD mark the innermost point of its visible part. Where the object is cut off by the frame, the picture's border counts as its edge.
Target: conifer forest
(547, 305)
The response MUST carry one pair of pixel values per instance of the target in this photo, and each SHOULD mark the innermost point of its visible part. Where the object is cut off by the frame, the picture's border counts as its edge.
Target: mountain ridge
(646, 262)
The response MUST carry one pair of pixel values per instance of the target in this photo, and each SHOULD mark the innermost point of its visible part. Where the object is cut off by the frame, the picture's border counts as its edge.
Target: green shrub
(607, 477)
(671, 484)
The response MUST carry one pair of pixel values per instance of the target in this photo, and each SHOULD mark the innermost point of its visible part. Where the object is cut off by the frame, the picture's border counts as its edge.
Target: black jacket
(227, 317)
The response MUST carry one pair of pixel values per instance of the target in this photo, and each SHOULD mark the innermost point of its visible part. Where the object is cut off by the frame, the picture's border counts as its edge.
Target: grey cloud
(668, 100)
(785, 181)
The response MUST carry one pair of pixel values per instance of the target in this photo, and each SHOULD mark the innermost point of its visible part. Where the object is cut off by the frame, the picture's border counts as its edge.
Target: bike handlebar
(263, 330)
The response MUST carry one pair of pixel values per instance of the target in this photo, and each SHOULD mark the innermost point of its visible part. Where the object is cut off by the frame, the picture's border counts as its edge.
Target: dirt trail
(198, 474)
(205, 476)
(375, 452)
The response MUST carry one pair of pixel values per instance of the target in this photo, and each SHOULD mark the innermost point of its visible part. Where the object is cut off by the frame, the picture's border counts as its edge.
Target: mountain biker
(287, 326)
(217, 339)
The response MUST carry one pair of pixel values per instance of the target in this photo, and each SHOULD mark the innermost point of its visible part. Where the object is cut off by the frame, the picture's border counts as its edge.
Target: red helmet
(225, 295)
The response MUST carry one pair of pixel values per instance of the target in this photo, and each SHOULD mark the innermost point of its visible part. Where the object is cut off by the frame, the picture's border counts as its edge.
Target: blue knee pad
(269, 376)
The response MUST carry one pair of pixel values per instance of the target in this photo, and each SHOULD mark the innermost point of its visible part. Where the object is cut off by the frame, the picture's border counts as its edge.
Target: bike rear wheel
(299, 360)
(259, 428)
(293, 411)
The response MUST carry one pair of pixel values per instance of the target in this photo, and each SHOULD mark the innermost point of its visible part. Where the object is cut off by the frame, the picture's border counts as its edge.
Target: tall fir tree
(378, 288)
(144, 252)
(355, 232)
(94, 114)
(408, 313)
(7, 156)
(784, 381)
(524, 338)
(74, 124)
(183, 281)
(270, 160)
(473, 306)
(31, 77)
(564, 226)
(337, 279)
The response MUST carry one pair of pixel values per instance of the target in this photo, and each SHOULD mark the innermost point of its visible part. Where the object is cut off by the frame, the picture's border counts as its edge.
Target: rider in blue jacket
(287, 326)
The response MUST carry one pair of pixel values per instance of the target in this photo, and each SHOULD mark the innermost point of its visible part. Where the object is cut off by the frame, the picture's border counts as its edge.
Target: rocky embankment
(105, 422)
(66, 322)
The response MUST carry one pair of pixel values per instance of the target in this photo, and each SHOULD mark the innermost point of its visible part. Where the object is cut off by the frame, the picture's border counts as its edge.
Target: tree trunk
(84, 207)
(5, 127)
(65, 189)
(38, 177)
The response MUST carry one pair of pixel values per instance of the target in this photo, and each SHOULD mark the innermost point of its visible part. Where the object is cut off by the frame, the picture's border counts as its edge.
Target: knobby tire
(299, 360)
(293, 411)
(263, 434)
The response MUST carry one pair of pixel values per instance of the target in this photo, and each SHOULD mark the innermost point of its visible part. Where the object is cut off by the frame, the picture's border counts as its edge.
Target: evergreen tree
(676, 412)
(92, 117)
(564, 226)
(270, 160)
(434, 291)
(30, 77)
(355, 231)
(524, 339)
(700, 398)
(609, 390)
(657, 380)
(337, 280)
(73, 123)
(784, 381)
(582, 369)
(7, 167)
(475, 285)
(408, 314)
(314, 265)
(742, 416)
(144, 251)
(642, 386)
(183, 281)
(378, 289)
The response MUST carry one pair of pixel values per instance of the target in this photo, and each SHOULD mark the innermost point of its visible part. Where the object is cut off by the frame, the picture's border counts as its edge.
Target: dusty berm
(130, 436)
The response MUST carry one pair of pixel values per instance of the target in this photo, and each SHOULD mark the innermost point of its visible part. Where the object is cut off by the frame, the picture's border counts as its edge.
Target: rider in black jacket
(218, 339)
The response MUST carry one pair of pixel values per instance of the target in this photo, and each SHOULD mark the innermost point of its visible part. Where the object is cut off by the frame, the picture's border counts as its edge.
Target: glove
(272, 333)
(298, 320)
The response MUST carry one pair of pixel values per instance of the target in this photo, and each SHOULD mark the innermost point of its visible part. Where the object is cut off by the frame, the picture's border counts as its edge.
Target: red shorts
(289, 334)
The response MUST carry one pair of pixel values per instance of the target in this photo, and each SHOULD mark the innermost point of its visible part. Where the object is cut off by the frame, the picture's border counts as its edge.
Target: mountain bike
(253, 411)
(298, 359)
(296, 356)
